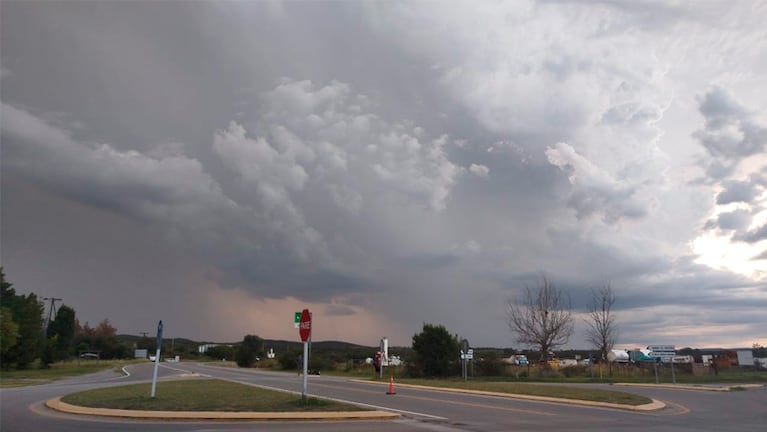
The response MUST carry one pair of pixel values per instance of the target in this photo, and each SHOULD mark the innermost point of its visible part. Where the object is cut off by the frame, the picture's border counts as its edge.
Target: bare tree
(602, 331)
(542, 318)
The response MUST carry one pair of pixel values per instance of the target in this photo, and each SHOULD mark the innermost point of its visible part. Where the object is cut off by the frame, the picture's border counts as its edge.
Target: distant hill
(183, 345)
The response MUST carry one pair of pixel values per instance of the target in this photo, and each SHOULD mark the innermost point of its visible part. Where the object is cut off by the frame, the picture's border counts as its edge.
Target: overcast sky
(222, 165)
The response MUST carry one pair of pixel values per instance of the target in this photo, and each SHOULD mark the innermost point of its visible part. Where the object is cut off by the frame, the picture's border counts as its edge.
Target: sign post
(464, 358)
(305, 331)
(157, 358)
(664, 353)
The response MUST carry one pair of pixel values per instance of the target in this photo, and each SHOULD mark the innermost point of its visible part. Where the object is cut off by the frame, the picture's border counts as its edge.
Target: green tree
(249, 350)
(103, 338)
(435, 349)
(9, 331)
(63, 329)
(27, 314)
(221, 352)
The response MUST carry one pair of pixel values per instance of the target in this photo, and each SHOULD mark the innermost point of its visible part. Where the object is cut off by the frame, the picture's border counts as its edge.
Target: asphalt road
(22, 409)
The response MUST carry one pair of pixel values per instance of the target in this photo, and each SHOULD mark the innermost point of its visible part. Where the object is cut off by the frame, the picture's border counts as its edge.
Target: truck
(618, 356)
(518, 359)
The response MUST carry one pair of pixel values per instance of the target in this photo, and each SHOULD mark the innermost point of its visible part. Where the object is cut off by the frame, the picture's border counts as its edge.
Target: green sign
(297, 319)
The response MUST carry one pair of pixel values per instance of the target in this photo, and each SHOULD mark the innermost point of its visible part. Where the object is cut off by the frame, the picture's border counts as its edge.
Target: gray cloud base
(385, 157)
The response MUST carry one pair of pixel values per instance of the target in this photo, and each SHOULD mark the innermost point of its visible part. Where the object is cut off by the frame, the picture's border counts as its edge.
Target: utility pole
(51, 311)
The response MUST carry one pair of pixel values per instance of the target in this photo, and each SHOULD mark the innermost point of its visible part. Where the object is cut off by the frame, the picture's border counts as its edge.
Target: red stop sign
(305, 325)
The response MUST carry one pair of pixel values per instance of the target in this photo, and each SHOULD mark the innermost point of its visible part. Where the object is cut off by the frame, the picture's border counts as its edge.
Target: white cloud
(335, 137)
(594, 190)
(479, 170)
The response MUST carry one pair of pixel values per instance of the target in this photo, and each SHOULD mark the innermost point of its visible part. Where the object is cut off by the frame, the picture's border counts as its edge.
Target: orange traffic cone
(391, 386)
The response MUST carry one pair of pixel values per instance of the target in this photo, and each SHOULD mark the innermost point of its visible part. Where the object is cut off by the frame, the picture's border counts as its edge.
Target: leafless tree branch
(542, 318)
(603, 331)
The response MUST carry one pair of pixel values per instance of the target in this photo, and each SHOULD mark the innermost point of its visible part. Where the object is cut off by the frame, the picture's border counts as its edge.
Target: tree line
(540, 317)
(25, 339)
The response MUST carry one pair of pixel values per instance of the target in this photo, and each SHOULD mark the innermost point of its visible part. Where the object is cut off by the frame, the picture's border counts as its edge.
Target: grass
(564, 392)
(34, 375)
(201, 395)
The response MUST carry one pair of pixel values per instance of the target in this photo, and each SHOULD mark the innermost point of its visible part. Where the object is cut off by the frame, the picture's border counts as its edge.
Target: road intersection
(411, 409)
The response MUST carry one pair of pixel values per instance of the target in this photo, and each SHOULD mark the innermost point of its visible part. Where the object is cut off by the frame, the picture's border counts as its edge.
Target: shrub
(289, 360)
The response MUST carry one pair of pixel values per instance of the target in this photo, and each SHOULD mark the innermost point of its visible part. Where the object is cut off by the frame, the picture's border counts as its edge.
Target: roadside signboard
(159, 335)
(666, 353)
(305, 325)
(296, 319)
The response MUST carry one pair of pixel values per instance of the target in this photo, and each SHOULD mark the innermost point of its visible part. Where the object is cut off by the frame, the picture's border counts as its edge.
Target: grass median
(554, 391)
(201, 395)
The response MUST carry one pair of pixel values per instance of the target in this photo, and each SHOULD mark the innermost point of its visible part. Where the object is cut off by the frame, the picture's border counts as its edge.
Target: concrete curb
(58, 405)
(691, 387)
(652, 406)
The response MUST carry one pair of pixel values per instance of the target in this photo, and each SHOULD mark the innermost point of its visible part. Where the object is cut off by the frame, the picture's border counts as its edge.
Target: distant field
(201, 395)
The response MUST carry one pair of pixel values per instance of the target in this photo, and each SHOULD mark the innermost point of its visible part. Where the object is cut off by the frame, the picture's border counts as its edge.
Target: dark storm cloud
(753, 236)
(731, 131)
(735, 220)
(737, 191)
(388, 159)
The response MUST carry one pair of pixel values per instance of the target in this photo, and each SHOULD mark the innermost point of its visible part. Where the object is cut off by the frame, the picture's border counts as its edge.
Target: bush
(489, 367)
(321, 362)
(573, 371)
(248, 351)
(435, 348)
(289, 360)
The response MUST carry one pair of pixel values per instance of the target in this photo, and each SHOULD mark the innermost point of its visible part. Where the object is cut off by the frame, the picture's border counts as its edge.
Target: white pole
(154, 376)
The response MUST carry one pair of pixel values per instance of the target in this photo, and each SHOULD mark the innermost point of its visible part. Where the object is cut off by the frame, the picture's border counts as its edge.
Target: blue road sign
(159, 335)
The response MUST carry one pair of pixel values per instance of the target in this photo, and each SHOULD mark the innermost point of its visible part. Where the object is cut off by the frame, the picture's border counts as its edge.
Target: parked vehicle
(518, 359)
(618, 356)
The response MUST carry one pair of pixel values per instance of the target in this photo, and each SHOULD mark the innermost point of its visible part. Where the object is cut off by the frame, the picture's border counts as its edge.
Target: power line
(51, 311)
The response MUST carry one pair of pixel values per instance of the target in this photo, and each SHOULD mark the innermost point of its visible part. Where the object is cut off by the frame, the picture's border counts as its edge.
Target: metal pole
(655, 368)
(673, 375)
(156, 357)
(309, 361)
(306, 365)
(154, 376)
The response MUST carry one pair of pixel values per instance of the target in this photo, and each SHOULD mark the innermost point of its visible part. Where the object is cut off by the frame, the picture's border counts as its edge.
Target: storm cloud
(221, 165)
